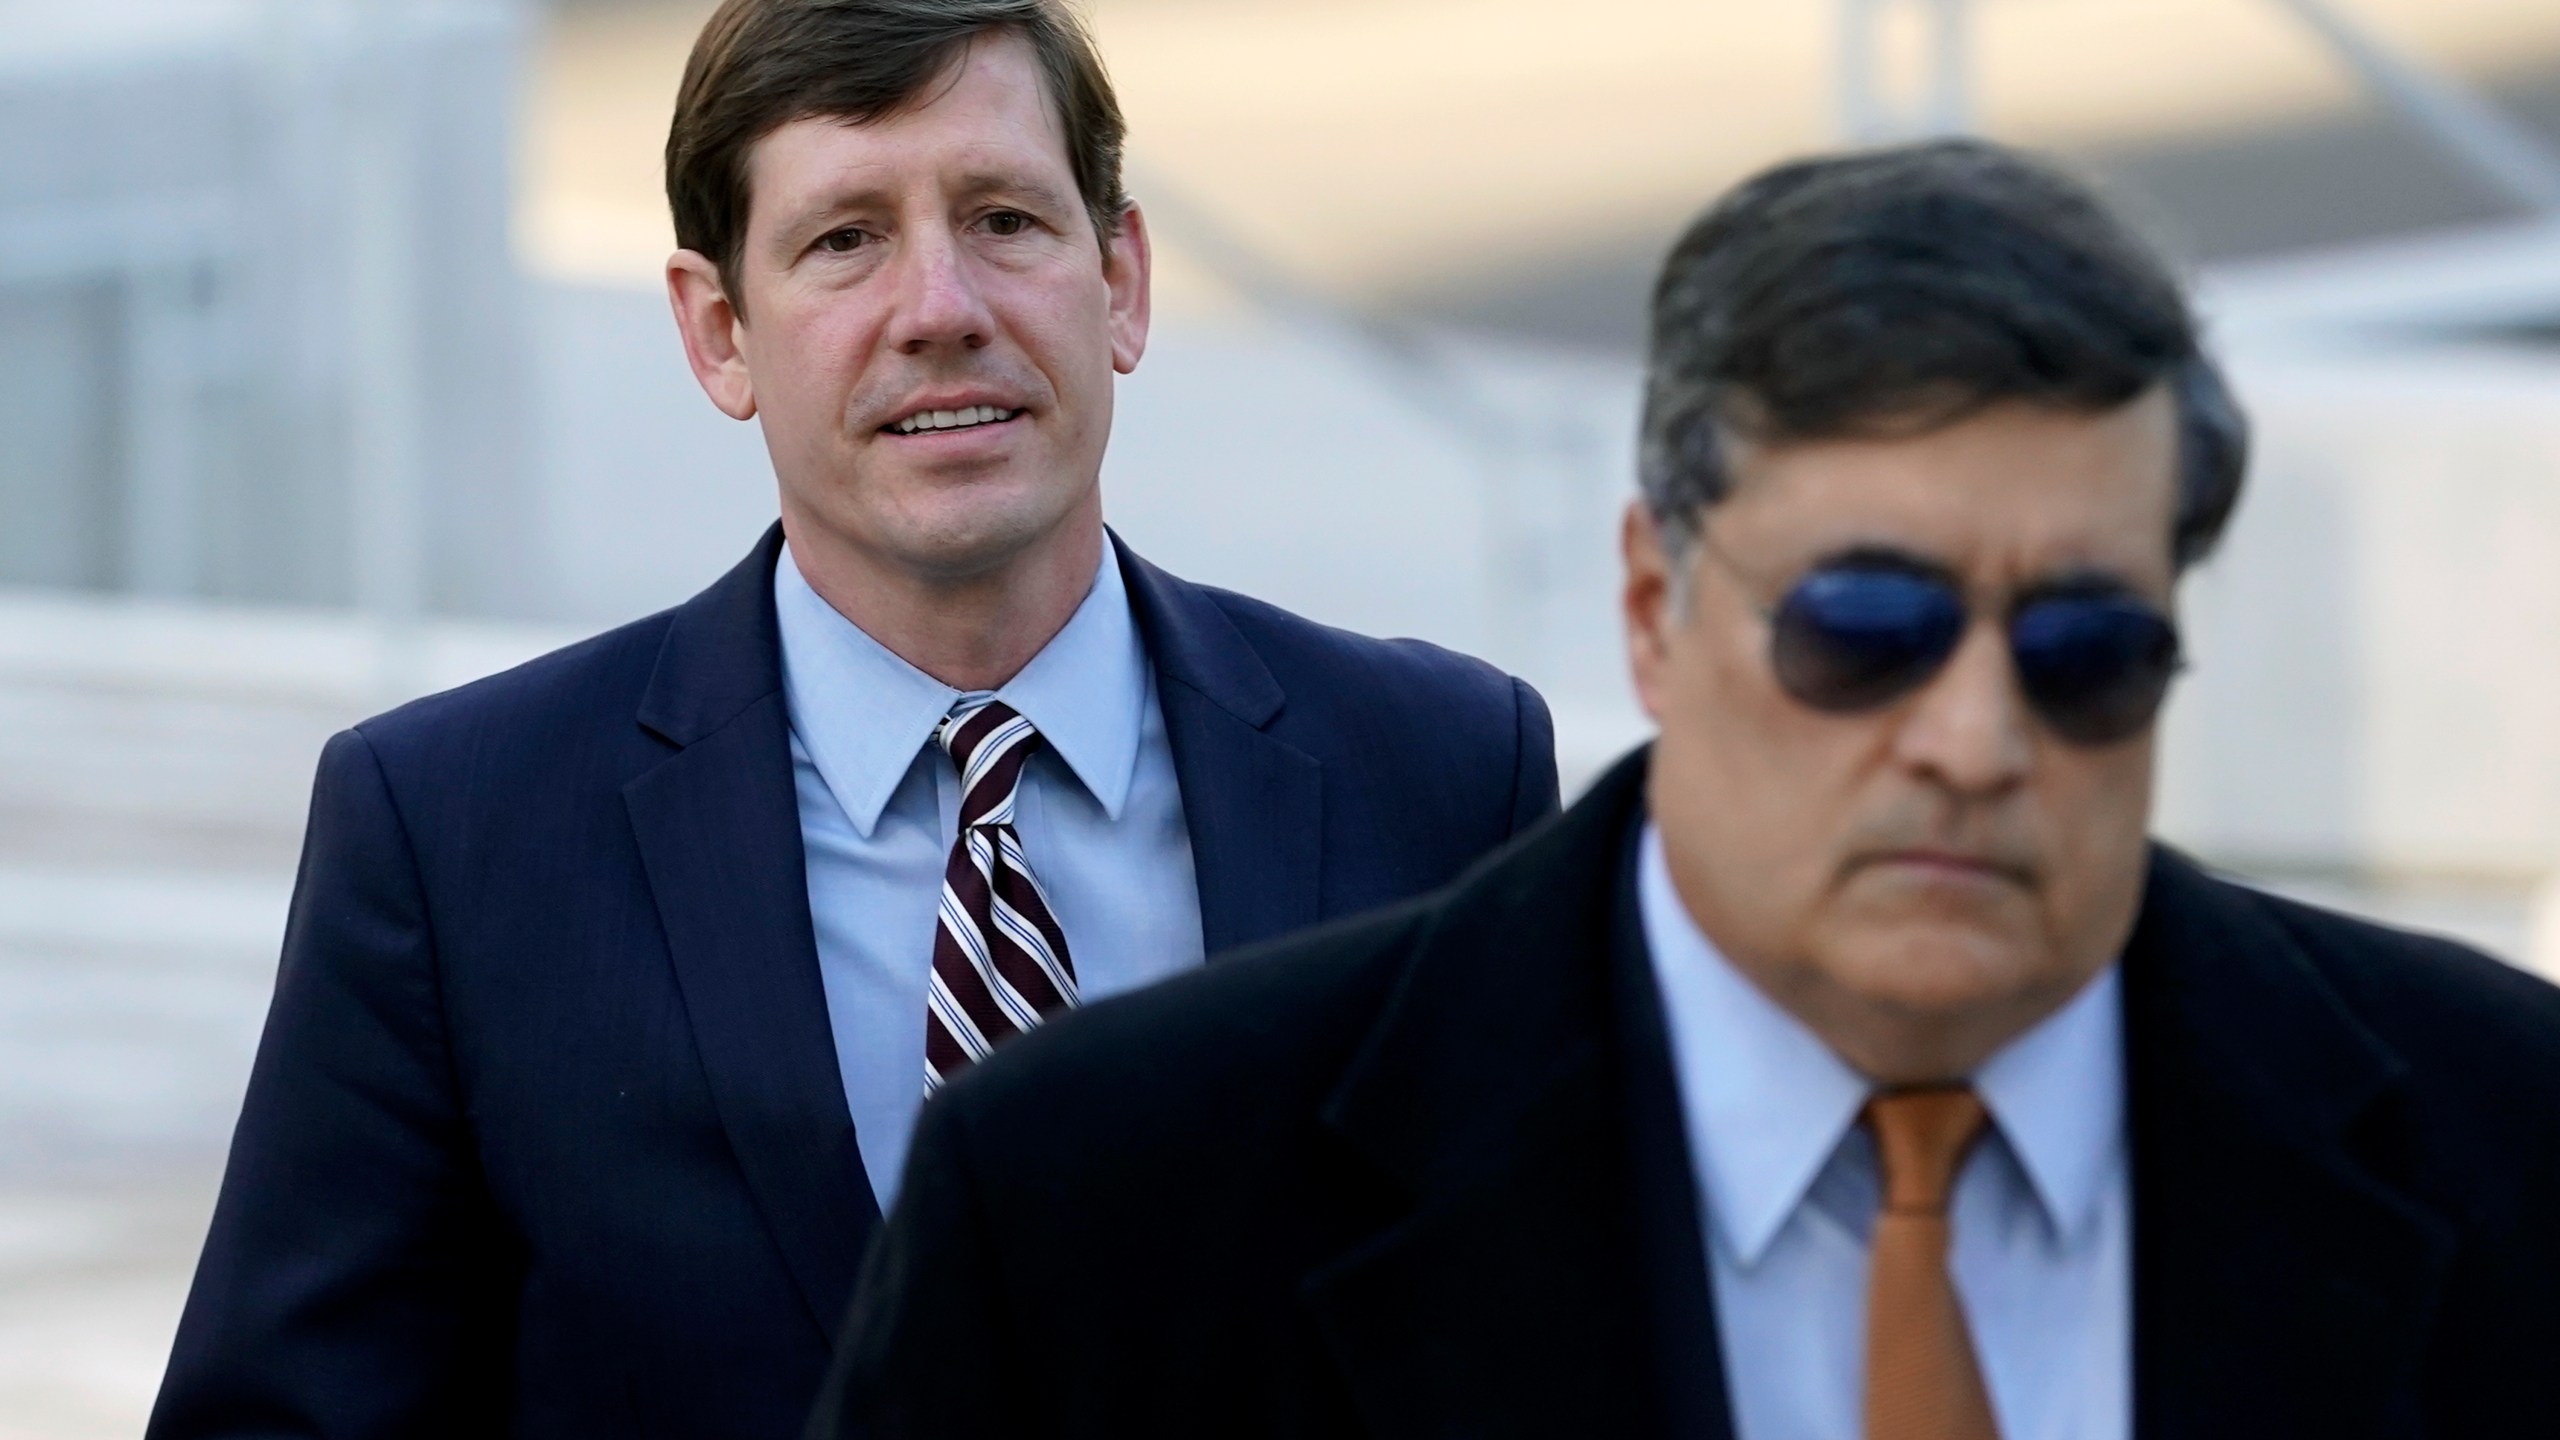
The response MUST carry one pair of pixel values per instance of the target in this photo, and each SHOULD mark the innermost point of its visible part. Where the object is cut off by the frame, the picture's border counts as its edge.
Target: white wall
(2378, 650)
(258, 302)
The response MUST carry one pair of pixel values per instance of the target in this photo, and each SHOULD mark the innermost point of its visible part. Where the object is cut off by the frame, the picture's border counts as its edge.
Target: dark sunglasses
(2093, 659)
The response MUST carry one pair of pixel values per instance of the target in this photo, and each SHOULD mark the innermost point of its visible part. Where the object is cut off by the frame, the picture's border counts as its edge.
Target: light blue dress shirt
(1099, 811)
(1789, 1190)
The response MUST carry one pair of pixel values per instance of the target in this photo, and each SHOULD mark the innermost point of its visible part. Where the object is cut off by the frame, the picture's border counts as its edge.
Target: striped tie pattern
(1000, 962)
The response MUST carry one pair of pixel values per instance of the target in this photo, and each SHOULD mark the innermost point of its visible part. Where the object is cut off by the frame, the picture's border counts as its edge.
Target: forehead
(2010, 493)
(986, 117)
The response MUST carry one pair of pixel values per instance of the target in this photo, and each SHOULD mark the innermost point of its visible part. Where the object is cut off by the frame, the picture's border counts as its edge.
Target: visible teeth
(924, 420)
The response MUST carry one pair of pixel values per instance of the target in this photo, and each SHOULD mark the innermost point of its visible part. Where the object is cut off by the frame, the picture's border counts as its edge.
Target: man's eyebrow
(1876, 555)
(2080, 576)
(981, 183)
(824, 209)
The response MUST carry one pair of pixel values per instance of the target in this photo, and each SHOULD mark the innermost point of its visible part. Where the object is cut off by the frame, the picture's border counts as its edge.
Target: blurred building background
(334, 368)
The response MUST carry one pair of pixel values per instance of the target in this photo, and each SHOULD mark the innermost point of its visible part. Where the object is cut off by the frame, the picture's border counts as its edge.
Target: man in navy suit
(613, 984)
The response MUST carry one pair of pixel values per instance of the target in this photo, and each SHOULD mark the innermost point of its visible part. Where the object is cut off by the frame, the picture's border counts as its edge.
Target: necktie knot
(1921, 1139)
(989, 741)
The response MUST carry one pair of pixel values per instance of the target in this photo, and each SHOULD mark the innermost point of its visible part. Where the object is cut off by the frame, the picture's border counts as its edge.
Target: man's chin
(1934, 967)
(959, 544)
(938, 529)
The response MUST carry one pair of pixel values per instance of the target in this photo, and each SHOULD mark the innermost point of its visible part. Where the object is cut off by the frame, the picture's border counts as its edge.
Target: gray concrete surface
(154, 766)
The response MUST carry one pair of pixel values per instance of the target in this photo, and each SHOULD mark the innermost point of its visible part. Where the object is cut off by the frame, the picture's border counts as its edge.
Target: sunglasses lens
(1852, 639)
(2095, 667)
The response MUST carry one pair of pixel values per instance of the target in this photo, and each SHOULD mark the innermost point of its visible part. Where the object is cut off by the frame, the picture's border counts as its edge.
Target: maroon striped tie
(999, 960)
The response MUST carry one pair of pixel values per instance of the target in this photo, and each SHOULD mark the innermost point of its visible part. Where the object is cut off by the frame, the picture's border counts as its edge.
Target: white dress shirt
(1099, 811)
(1788, 1191)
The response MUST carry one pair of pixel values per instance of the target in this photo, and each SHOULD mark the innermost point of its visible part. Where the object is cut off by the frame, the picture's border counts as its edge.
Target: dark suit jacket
(1424, 1175)
(546, 1135)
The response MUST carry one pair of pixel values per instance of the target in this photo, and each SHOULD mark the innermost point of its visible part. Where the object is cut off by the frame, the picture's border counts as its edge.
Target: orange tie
(1922, 1382)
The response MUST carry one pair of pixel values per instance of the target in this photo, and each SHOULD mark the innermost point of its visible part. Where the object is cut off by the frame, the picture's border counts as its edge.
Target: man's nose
(1969, 727)
(939, 301)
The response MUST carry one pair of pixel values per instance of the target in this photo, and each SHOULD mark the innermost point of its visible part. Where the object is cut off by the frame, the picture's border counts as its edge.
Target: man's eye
(838, 242)
(1007, 222)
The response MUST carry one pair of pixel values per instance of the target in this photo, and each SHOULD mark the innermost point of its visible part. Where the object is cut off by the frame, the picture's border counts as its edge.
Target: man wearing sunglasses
(1848, 1062)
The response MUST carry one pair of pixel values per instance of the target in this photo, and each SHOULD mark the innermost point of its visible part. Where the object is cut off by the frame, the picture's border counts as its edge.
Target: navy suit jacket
(1424, 1176)
(546, 1137)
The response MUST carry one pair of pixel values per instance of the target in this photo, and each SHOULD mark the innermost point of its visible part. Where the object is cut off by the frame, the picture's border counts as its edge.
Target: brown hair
(761, 64)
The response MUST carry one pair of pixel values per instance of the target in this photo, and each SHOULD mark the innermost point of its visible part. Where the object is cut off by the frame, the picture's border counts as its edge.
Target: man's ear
(714, 334)
(1128, 264)
(1650, 602)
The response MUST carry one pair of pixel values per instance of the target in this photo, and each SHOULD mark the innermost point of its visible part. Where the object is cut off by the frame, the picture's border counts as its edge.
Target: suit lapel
(2281, 1284)
(718, 827)
(1687, 1351)
(1545, 1276)
(1254, 804)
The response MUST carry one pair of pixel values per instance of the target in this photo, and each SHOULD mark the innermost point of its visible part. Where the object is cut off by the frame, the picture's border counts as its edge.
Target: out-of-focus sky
(1520, 163)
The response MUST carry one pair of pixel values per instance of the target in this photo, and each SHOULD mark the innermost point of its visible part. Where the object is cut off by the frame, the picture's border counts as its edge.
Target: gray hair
(1894, 291)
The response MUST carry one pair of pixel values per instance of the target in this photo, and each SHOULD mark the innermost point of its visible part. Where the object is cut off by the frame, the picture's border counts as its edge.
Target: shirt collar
(1086, 691)
(2057, 1093)
(862, 713)
(1767, 1103)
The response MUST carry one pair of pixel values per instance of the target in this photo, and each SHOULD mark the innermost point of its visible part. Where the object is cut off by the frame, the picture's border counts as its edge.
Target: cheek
(809, 360)
(1767, 788)
(2097, 808)
(1061, 315)
(1784, 765)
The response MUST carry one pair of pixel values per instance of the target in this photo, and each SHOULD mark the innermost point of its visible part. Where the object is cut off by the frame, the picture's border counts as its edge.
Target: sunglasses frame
(1885, 559)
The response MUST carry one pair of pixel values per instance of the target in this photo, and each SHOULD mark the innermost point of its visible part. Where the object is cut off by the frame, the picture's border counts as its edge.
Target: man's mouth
(966, 418)
(1953, 863)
